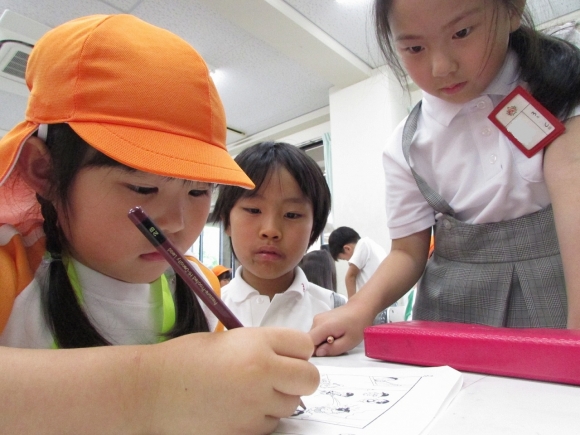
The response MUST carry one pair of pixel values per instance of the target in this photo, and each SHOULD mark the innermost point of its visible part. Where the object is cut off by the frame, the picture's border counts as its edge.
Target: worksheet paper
(365, 400)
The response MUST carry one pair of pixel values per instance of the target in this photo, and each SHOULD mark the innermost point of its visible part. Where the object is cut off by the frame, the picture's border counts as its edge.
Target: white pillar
(362, 117)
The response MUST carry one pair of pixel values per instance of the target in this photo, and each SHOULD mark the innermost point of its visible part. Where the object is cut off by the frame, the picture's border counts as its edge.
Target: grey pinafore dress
(501, 274)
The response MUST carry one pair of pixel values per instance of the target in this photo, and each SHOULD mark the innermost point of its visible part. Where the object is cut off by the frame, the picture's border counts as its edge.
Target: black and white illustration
(352, 401)
(355, 400)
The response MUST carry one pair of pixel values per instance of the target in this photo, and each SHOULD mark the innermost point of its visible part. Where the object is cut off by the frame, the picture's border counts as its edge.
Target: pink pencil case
(541, 354)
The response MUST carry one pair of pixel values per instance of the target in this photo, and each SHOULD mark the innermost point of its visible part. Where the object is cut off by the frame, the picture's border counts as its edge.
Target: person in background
(271, 227)
(319, 268)
(96, 336)
(223, 274)
(507, 225)
(362, 254)
(324, 247)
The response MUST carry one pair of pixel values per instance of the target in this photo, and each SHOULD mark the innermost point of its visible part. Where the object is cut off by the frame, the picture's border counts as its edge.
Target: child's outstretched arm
(562, 173)
(237, 382)
(398, 272)
(350, 279)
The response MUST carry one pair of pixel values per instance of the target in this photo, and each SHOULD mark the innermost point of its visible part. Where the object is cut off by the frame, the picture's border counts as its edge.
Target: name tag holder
(526, 122)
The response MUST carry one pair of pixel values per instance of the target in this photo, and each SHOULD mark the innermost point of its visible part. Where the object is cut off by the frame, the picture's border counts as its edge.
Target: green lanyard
(161, 294)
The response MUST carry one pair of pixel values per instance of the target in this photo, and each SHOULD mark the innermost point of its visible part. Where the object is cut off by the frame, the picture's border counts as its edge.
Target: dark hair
(66, 318)
(261, 160)
(550, 66)
(340, 237)
(225, 275)
(319, 268)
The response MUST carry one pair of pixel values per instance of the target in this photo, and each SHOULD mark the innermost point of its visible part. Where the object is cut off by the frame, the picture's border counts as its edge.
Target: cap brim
(164, 153)
(218, 270)
(11, 145)
(17, 199)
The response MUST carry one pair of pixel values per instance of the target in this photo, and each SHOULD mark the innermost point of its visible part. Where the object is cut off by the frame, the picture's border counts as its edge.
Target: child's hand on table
(337, 331)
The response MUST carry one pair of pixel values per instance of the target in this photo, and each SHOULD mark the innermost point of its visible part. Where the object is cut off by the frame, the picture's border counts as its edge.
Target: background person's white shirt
(367, 255)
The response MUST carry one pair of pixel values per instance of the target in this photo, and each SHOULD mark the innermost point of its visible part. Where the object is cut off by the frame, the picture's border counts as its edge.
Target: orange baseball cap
(136, 92)
(219, 269)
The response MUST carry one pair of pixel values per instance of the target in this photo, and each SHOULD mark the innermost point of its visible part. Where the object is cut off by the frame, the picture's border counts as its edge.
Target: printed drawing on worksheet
(354, 400)
(367, 400)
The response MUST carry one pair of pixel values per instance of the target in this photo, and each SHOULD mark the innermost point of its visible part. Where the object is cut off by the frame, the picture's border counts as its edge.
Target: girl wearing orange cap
(99, 139)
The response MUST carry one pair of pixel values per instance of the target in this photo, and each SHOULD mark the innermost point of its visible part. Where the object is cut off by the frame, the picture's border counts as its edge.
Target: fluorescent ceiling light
(351, 1)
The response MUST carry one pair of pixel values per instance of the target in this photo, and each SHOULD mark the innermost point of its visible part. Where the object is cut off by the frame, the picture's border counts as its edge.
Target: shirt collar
(239, 290)
(300, 283)
(505, 82)
(95, 283)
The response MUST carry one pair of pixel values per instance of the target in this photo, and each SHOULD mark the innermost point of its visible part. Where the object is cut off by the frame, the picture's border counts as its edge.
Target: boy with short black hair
(363, 256)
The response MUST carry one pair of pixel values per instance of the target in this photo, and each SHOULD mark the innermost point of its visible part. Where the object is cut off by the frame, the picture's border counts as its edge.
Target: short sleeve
(407, 210)
(361, 254)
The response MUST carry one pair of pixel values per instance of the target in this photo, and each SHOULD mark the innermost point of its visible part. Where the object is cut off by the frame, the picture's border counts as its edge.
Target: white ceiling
(275, 60)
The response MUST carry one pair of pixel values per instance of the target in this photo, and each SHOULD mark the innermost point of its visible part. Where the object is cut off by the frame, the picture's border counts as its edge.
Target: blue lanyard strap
(161, 296)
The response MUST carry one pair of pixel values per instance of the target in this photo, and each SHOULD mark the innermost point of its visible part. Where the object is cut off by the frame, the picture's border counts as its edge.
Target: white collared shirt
(460, 153)
(295, 308)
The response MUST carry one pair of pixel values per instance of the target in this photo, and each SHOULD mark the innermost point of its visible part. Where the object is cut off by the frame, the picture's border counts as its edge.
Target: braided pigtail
(189, 316)
(65, 317)
(67, 320)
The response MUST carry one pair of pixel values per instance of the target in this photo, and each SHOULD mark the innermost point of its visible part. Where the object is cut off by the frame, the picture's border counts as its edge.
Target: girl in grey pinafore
(501, 274)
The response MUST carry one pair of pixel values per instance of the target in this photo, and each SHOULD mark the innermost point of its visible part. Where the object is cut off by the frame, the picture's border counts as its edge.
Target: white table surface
(493, 405)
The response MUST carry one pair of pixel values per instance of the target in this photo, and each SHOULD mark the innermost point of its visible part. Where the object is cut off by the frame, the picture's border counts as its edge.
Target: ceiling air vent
(17, 65)
(13, 58)
(18, 34)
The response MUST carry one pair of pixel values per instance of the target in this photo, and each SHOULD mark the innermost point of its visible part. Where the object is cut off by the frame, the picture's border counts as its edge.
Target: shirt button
(260, 300)
(447, 224)
(492, 159)
(481, 105)
(486, 131)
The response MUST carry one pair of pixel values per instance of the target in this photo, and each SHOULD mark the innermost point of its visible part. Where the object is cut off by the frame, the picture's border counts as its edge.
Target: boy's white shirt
(463, 156)
(124, 313)
(295, 308)
(367, 256)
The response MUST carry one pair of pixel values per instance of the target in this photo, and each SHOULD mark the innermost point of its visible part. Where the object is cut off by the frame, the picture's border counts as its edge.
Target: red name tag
(526, 122)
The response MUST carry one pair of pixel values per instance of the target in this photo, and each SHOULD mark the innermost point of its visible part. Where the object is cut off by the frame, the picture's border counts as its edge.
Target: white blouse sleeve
(407, 210)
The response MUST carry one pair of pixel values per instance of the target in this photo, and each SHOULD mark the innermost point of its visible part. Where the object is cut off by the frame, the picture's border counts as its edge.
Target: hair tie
(55, 256)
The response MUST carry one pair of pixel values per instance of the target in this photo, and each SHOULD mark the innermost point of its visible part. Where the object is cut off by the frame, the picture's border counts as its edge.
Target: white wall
(362, 117)
(307, 135)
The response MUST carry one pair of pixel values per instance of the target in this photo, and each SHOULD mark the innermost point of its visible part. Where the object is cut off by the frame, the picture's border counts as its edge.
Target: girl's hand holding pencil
(256, 375)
